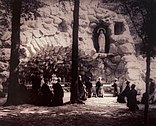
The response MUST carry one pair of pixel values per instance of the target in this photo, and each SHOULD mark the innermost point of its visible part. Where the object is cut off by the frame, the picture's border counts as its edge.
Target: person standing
(89, 87)
(152, 87)
(99, 88)
(131, 99)
(124, 93)
(46, 95)
(82, 93)
(58, 94)
(116, 88)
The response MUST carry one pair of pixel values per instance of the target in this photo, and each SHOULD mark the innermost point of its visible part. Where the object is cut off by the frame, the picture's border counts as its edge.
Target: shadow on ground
(95, 112)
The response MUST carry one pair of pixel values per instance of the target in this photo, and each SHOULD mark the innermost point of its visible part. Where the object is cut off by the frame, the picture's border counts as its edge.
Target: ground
(95, 112)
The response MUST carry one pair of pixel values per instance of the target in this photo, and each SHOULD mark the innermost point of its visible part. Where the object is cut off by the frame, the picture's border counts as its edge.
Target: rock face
(53, 28)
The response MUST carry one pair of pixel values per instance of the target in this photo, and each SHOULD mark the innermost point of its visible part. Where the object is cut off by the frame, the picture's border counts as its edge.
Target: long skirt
(100, 92)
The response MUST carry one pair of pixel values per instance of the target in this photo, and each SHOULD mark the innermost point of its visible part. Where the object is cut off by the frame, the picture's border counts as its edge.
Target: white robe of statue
(101, 42)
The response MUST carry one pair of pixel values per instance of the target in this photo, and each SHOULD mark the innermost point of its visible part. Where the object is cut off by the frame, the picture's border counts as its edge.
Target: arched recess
(101, 26)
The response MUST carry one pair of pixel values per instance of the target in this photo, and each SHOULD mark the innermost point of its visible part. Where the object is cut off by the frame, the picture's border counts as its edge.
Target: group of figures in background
(126, 93)
(129, 95)
(41, 94)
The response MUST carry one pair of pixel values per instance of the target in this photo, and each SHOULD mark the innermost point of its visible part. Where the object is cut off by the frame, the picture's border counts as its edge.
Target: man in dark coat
(152, 87)
(124, 93)
(99, 88)
(131, 99)
(58, 94)
(82, 93)
(36, 81)
(126, 90)
(46, 95)
(89, 86)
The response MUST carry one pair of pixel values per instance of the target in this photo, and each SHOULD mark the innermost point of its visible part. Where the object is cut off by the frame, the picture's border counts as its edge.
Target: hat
(127, 82)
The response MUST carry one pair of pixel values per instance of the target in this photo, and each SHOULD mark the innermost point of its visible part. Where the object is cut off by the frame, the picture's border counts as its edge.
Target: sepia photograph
(77, 62)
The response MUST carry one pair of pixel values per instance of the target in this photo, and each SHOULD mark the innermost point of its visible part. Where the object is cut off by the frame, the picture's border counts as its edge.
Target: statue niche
(101, 40)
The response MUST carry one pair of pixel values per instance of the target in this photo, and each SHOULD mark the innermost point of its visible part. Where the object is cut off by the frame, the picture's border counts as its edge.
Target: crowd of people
(126, 93)
(41, 94)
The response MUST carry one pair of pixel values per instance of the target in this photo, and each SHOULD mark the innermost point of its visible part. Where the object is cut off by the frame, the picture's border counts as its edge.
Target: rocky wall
(52, 27)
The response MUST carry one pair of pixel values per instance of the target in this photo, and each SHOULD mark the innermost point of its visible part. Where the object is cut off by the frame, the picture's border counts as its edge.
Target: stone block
(5, 54)
(44, 42)
(24, 28)
(92, 19)
(48, 20)
(46, 32)
(37, 33)
(83, 16)
(47, 26)
(133, 74)
(4, 74)
(39, 43)
(3, 66)
(83, 7)
(84, 24)
(116, 59)
(48, 41)
(127, 48)
(54, 11)
(108, 71)
(121, 66)
(31, 49)
(24, 40)
(32, 24)
(99, 16)
(57, 20)
(133, 65)
(35, 45)
(53, 41)
(6, 36)
(7, 44)
(99, 10)
(53, 30)
(1, 44)
(129, 58)
(91, 11)
(113, 49)
(24, 52)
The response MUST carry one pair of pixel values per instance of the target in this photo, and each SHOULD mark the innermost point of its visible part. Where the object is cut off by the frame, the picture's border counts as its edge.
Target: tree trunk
(74, 84)
(147, 89)
(13, 86)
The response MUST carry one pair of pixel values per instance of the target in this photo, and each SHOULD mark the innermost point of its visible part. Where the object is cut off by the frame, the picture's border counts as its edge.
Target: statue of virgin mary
(101, 40)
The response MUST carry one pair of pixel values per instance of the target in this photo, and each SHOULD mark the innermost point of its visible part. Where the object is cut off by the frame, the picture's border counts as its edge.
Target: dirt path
(95, 112)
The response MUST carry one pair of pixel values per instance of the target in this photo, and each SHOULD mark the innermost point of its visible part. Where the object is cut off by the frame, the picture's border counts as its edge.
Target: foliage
(46, 63)
(143, 16)
(49, 62)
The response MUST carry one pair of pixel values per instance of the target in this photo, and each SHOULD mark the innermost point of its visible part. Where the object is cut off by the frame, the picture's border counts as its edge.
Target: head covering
(127, 82)
(100, 78)
(133, 86)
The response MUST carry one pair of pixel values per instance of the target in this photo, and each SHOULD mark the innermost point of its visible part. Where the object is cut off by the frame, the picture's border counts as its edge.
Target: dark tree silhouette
(13, 86)
(17, 7)
(74, 81)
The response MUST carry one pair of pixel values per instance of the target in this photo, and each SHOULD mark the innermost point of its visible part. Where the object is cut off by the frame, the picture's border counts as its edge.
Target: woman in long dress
(99, 88)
